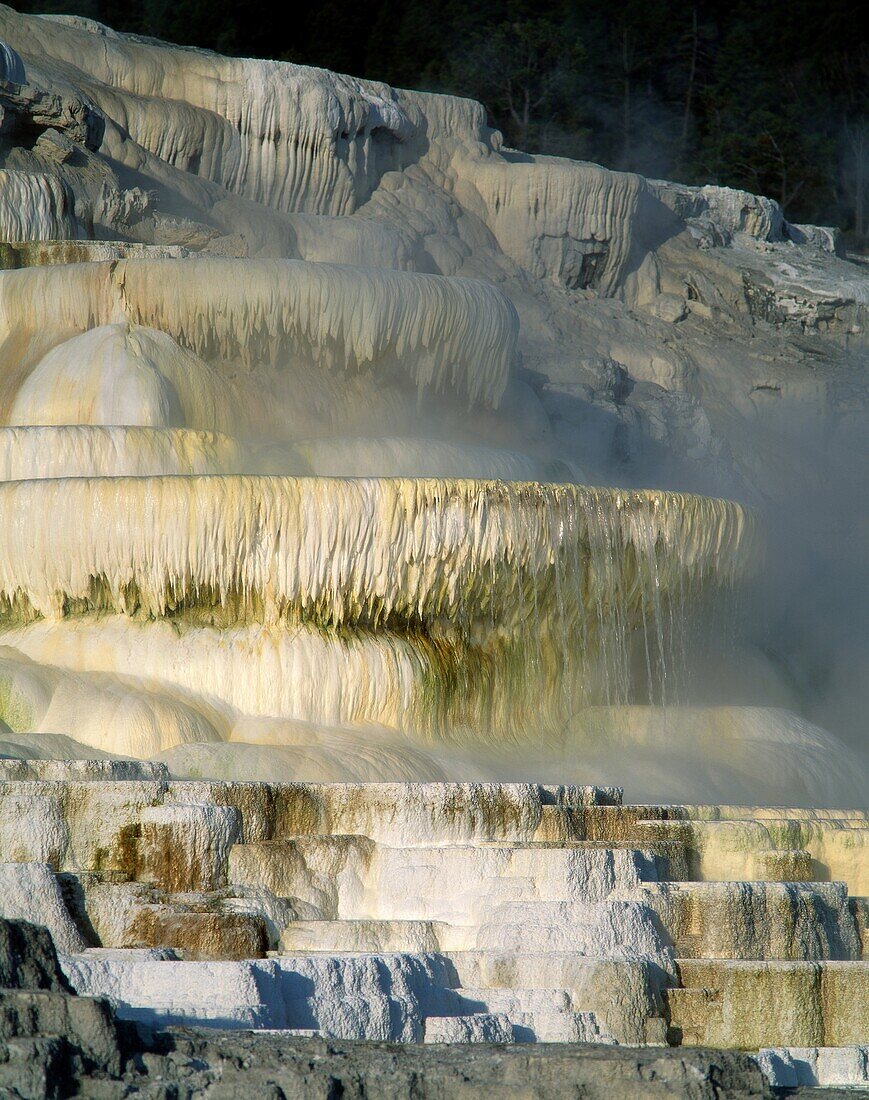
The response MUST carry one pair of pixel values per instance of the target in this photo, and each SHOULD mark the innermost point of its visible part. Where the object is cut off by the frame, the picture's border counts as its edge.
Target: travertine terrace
(335, 612)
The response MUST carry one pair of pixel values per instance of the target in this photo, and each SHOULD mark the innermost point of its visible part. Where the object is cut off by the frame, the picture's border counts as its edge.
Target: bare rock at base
(28, 959)
(50, 1039)
(56, 1044)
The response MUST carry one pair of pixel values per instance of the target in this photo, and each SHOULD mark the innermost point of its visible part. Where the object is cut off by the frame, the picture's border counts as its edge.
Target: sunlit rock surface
(438, 912)
(327, 643)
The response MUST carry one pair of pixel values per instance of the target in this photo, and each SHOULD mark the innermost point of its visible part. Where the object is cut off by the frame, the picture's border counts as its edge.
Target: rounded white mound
(119, 374)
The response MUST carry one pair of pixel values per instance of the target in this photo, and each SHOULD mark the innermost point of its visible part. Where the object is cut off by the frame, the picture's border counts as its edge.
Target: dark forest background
(768, 95)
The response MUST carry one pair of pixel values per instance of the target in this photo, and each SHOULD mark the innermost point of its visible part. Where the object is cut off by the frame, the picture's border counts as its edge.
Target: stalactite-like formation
(346, 551)
(441, 333)
(429, 604)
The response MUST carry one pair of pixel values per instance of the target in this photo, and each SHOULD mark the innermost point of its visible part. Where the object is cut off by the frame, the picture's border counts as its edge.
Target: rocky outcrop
(55, 1044)
(50, 1039)
(28, 958)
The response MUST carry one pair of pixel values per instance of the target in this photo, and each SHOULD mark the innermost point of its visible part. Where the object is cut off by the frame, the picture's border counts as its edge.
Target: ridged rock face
(35, 208)
(275, 470)
(312, 402)
(564, 221)
(425, 604)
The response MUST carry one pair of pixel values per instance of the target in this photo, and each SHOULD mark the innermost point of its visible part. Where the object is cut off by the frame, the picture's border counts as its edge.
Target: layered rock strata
(55, 1044)
(436, 913)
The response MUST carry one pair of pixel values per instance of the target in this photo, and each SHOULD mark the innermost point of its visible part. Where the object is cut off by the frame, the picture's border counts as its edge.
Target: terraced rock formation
(444, 913)
(376, 503)
(54, 1043)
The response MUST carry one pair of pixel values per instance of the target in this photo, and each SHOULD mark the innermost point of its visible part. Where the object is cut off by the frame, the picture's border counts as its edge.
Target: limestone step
(349, 996)
(755, 920)
(351, 877)
(732, 812)
(211, 925)
(84, 816)
(608, 929)
(359, 935)
(96, 770)
(620, 930)
(561, 1027)
(425, 814)
(816, 1067)
(516, 910)
(785, 865)
(770, 1003)
(625, 995)
(668, 858)
(609, 823)
(860, 911)
(690, 1012)
(515, 1002)
(478, 1028)
(770, 845)
(221, 935)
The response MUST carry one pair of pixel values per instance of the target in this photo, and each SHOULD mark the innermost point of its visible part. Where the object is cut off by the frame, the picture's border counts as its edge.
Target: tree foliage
(769, 95)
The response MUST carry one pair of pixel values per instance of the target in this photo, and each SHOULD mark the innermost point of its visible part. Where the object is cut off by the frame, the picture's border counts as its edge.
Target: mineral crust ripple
(342, 697)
